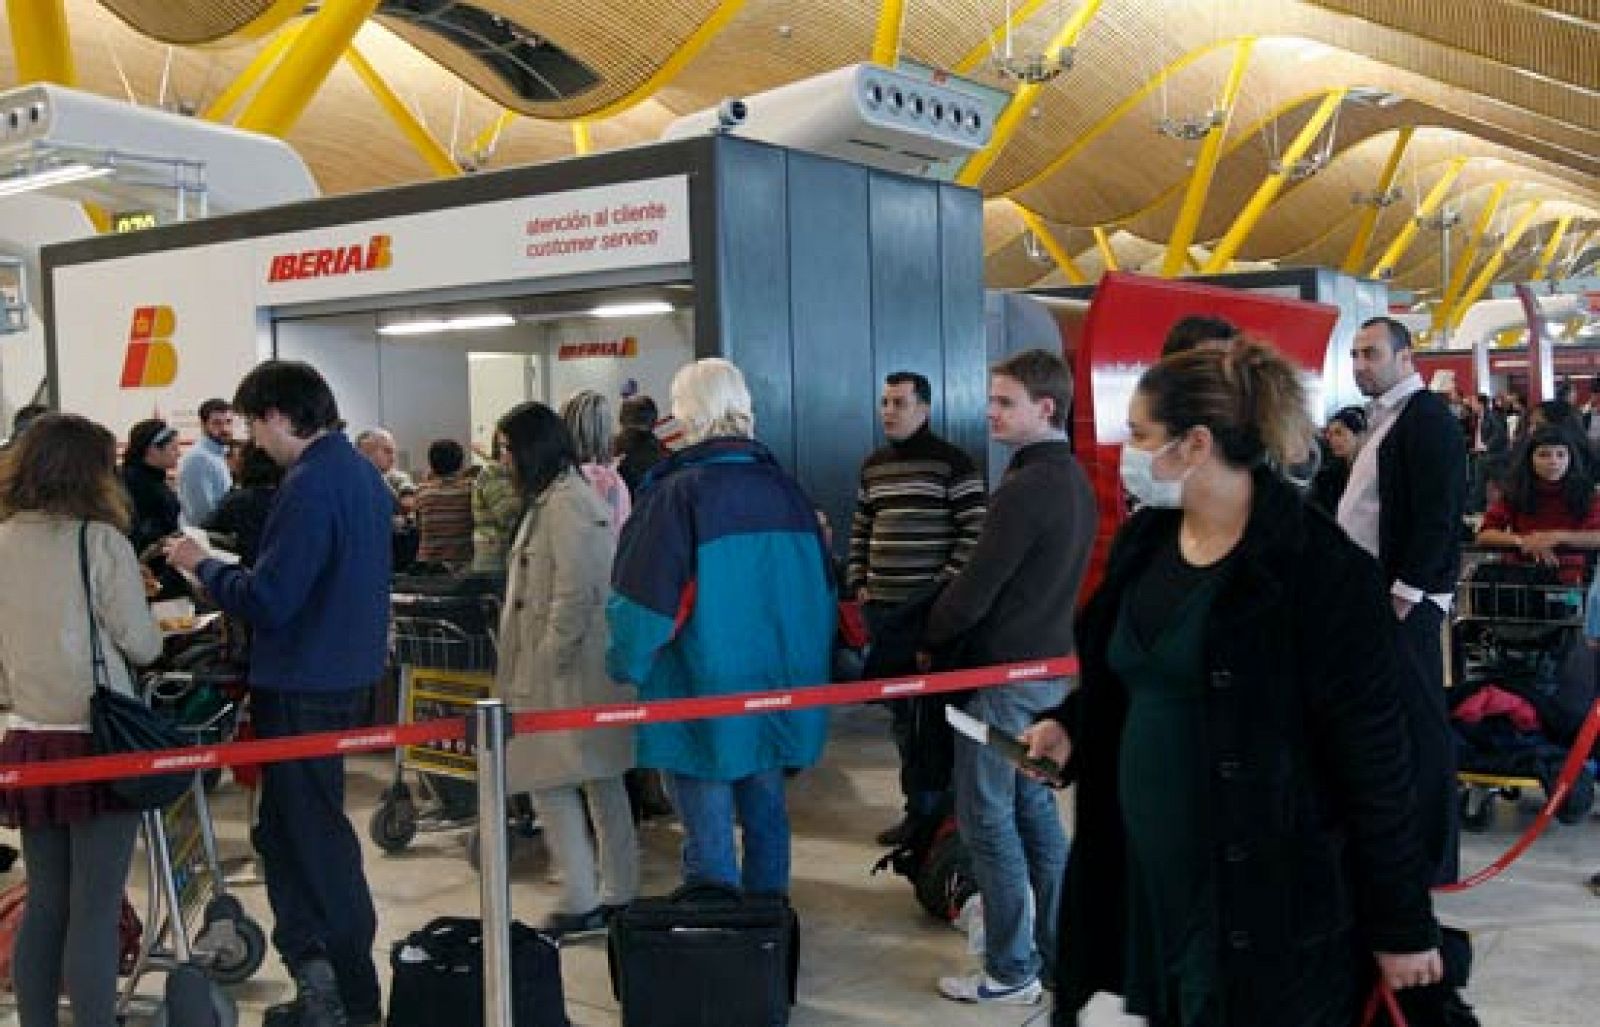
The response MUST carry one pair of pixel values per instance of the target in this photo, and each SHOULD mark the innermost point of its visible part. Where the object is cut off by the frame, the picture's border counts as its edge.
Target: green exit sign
(133, 221)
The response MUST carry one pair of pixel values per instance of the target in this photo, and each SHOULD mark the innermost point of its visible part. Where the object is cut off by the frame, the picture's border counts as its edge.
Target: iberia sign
(331, 261)
(627, 346)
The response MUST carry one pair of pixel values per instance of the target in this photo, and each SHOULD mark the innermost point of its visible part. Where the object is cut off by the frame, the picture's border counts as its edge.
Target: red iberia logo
(627, 346)
(330, 261)
(152, 360)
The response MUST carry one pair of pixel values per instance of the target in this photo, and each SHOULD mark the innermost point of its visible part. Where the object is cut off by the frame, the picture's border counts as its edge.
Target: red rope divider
(444, 729)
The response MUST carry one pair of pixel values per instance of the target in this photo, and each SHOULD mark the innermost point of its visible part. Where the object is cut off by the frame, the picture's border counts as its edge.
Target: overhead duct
(124, 156)
(865, 113)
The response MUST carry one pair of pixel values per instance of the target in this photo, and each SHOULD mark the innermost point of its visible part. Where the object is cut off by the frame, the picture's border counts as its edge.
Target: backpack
(934, 858)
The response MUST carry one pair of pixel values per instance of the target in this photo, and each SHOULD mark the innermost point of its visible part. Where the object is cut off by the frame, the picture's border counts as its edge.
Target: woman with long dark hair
(151, 454)
(64, 517)
(1548, 500)
(553, 656)
(1247, 822)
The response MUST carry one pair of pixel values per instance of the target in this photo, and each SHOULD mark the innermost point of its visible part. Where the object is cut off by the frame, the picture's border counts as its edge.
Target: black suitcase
(705, 956)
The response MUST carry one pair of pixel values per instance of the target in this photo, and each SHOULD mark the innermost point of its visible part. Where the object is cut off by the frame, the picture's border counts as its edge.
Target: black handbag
(438, 977)
(120, 723)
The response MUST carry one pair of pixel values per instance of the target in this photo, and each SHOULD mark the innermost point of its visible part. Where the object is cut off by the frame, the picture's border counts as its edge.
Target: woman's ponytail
(1272, 397)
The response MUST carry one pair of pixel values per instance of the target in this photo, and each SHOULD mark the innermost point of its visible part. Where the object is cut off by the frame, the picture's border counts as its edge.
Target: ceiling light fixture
(49, 177)
(632, 309)
(431, 326)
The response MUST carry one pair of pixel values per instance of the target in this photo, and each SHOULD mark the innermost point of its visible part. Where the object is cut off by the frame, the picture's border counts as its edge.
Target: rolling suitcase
(705, 956)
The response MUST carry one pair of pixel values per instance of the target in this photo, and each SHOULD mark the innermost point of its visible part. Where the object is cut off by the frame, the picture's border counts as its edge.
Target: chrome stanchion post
(490, 731)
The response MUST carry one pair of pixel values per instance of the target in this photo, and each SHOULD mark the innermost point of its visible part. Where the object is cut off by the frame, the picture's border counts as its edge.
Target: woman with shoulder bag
(61, 510)
(553, 656)
(1247, 835)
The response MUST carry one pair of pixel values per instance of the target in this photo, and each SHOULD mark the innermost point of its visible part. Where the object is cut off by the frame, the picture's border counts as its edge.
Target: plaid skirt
(52, 805)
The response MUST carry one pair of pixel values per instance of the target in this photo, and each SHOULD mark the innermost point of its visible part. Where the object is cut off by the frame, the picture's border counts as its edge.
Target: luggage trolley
(1518, 626)
(444, 646)
(186, 879)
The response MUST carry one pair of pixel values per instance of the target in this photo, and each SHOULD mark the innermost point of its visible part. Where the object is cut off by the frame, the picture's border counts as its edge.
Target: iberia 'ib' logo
(152, 360)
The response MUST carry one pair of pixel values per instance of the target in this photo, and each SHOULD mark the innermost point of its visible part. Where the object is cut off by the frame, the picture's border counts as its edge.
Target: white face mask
(1138, 477)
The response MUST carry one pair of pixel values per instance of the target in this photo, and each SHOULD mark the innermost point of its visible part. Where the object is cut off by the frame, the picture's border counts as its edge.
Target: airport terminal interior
(452, 209)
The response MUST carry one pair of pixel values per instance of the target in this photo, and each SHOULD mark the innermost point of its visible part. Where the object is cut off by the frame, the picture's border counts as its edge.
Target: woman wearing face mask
(1346, 430)
(1247, 836)
(1548, 501)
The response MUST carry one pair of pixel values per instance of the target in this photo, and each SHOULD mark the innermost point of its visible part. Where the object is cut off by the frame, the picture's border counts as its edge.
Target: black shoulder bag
(121, 723)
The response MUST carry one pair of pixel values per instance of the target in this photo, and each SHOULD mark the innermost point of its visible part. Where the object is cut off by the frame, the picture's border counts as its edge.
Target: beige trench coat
(553, 637)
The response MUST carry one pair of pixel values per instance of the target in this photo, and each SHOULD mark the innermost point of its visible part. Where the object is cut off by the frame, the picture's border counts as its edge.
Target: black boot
(316, 1002)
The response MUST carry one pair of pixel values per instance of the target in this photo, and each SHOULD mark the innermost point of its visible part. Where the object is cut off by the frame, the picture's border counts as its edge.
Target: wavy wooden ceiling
(1515, 87)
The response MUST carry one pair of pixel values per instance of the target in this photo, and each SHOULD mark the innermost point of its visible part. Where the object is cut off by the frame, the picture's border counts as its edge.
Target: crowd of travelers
(1257, 740)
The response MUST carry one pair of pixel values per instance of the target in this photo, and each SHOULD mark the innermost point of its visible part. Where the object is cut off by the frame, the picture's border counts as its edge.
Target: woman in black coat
(150, 456)
(1246, 823)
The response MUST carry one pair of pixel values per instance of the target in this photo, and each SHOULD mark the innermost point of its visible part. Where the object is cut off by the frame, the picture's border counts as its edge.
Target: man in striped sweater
(918, 513)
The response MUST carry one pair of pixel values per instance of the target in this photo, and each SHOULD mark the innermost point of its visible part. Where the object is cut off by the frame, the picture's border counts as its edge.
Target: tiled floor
(870, 956)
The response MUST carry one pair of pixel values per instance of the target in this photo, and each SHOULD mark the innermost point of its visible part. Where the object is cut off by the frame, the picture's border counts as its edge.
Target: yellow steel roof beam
(1492, 268)
(1268, 191)
(886, 41)
(416, 133)
(1058, 253)
(265, 59)
(1108, 257)
(582, 141)
(1551, 245)
(1022, 99)
(1369, 216)
(283, 97)
(1469, 255)
(1430, 204)
(41, 41)
(1205, 167)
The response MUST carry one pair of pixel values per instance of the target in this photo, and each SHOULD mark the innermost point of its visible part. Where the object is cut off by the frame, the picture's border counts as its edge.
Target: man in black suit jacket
(1404, 505)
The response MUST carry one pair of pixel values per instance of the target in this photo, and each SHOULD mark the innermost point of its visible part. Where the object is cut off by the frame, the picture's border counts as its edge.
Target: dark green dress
(1158, 651)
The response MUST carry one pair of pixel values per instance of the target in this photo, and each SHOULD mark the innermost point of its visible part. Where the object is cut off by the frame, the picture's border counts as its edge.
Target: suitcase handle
(699, 891)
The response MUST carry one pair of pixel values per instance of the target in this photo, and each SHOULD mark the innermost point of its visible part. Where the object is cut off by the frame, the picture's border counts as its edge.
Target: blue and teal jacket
(722, 584)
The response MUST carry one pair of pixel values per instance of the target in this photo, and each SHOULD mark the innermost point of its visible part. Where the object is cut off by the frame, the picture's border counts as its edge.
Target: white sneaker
(978, 986)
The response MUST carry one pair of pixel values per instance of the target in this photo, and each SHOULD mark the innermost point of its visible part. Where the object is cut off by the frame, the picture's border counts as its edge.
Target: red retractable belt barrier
(445, 729)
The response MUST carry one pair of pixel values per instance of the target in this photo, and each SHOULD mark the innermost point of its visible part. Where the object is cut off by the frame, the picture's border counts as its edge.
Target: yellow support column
(1022, 99)
(416, 133)
(41, 41)
(1107, 256)
(582, 142)
(1063, 259)
(264, 59)
(491, 134)
(1268, 191)
(283, 97)
(1550, 247)
(886, 42)
(1369, 217)
(1205, 166)
(1492, 268)
(1469, 255)
(1430, 204)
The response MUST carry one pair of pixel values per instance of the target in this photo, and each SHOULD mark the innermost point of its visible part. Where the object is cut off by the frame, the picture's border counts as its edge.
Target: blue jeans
(1013, 834)
(707, 810)
(310, 856)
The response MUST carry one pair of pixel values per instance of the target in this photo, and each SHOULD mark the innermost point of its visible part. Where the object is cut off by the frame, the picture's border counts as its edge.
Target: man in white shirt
(203, 476)
(1404, 505)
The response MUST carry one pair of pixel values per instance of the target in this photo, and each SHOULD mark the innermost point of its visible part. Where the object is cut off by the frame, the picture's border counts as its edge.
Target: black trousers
(1419, 644)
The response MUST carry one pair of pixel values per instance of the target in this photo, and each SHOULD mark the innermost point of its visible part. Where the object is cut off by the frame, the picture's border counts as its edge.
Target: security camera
(731, 113)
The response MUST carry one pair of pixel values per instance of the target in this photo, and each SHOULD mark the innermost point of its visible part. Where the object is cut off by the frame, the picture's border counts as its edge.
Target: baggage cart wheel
(1477, 804)
(393, 824)
(237, 944)
(193, 1000)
